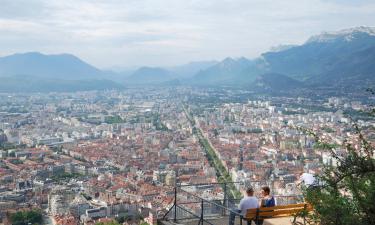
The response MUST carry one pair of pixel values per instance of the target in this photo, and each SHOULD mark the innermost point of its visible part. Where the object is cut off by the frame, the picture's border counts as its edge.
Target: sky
(125, 33)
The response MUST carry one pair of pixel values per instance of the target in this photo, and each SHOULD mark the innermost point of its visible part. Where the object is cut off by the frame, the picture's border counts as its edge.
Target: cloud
(156, 32)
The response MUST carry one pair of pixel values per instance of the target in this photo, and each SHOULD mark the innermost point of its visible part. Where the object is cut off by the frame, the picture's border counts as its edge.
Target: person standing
(307, 179)
(247, 202)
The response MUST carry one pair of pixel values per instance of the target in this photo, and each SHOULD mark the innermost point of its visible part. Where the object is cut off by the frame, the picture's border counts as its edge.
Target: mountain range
(65, 66)
(36, 72)
(341, 58)
(328, 59)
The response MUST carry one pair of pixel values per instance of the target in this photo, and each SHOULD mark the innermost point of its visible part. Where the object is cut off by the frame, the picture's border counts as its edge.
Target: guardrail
(209, 201)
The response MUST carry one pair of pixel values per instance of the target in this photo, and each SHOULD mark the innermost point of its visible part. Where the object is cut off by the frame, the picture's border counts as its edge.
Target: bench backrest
(277, 211)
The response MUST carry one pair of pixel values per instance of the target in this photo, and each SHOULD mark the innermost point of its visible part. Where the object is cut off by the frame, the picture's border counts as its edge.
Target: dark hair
(266, 189)
(249, 190)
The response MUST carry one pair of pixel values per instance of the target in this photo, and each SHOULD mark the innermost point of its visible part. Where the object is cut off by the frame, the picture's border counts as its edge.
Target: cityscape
(85, 157)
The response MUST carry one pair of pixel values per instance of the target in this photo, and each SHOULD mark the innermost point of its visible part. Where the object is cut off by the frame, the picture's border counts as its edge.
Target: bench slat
(286, 212)
(250, 216)
(291, 206)
(254, 210)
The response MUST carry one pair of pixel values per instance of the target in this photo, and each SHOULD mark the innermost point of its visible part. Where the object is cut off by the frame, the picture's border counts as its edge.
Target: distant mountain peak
(345, 34)
(66, 66)
(243, 59)
(227, 63)
(42, 54)
(228, 60)
(231, 62)
(280, 48)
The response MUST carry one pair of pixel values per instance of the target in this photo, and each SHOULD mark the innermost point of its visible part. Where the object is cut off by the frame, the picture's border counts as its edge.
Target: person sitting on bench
(247, 202)
(267, 201)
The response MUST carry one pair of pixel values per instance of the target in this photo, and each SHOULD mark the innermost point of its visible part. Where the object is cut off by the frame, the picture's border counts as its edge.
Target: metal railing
(190, 206)
(211, 203)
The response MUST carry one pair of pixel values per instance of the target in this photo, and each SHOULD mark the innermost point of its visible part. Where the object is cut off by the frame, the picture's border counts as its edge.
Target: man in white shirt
(248, 202)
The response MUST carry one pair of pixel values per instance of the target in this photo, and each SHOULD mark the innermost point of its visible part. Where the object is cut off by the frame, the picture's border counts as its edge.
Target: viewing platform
(224, 221)
(211, 204)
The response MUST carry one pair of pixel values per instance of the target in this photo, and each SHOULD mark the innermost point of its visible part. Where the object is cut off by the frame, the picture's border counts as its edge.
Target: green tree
(347, 192)
(113, 222)
(26, 217)
(113, 119)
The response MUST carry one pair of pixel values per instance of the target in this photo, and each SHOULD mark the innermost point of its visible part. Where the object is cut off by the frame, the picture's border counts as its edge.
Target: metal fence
(212, 203)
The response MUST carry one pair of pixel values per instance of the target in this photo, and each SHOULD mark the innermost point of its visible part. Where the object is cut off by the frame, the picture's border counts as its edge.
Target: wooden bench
(277, 211)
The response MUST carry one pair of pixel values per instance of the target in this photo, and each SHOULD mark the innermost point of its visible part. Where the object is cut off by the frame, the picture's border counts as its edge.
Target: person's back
(248, 202)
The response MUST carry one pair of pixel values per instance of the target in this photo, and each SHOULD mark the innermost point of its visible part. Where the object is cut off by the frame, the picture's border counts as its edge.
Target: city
(91, 156)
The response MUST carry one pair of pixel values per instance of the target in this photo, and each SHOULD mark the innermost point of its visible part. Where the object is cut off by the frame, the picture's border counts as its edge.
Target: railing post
(202, 211)
(175, 204)
(225, 199)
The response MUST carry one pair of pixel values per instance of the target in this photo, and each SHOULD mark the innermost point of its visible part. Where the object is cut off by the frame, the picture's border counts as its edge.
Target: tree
(113, 222)
(113, 119)
(347, 191)
(26, 217)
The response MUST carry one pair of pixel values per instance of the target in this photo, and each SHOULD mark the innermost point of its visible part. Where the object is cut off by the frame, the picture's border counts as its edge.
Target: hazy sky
(109, 33)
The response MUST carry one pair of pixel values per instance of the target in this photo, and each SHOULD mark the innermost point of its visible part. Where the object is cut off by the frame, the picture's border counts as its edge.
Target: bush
(347, 193)
(108, 223)
(26, 217)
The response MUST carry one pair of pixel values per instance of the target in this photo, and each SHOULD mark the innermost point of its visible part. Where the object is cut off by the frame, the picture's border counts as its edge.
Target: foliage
(157, 123)
(236, 131)
(26, 217)
(113, 119)
(216, 132)
(222, 173)
(7, 146)
(328, 129)
(113, 222)
(87, 197)
(255, 130)
(15, 161)
(107, 223)
(65, 176)
(285, 112)
(347, 191)
(17, 110)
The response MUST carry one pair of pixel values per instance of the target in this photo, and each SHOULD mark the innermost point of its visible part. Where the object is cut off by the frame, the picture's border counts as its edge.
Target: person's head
(266, 191)
(250, 191)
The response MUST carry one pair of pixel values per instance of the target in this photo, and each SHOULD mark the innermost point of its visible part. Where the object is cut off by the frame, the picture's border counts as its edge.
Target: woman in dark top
(267, 201)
